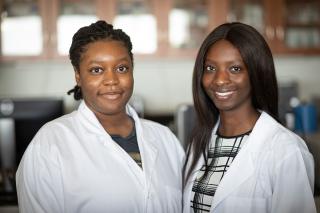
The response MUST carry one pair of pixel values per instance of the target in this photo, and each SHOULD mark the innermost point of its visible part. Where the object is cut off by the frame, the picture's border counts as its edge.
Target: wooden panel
(161, 11)
(106, 10)
(217, 12)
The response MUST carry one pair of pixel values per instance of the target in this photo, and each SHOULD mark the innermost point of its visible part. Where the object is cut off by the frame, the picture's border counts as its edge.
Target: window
(136, 19)
(188, 21)
(21, 28)
(73, 15)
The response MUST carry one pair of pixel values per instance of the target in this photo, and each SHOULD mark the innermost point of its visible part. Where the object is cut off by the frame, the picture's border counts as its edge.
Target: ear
(77, 76)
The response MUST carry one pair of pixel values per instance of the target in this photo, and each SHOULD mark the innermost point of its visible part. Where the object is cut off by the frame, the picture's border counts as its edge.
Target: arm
(38, 178)
(293, 184)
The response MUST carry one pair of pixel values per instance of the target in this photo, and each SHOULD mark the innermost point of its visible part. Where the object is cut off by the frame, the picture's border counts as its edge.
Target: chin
(225, 107)
(109, 109)
(113, 110)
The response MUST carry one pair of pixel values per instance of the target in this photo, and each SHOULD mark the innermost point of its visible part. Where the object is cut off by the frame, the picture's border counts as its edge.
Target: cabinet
(41, 29)
(300, 21)
(189, 23)
(22, 32)
(289, 26)
(167, 28)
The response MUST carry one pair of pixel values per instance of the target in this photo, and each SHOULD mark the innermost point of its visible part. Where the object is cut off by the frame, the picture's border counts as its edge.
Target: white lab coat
(73, 166)
(273, 172)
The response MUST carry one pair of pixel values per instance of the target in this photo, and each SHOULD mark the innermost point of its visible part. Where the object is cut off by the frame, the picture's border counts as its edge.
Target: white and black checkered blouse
(221, 153)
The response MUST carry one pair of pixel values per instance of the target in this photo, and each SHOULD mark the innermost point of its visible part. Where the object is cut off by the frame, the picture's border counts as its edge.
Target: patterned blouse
(221, 153)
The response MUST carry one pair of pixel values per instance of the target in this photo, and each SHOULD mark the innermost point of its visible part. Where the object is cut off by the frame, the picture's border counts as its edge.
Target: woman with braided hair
(102, 157)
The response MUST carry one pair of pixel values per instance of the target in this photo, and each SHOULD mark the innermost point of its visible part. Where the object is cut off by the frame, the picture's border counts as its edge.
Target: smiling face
(106, 77)
(225, 78)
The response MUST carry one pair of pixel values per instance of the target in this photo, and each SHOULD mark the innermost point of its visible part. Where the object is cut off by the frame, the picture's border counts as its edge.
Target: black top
(129, 144)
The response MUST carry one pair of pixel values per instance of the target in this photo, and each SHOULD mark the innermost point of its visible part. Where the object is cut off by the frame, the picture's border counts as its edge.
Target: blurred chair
(184, 120)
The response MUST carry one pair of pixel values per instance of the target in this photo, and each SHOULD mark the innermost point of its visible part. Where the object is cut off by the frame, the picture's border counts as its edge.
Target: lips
(223, 95)
(111, 95)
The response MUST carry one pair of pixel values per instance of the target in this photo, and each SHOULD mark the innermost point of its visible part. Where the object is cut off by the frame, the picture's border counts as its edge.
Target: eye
(235, 69)
(96, 70)
(209, 68)
(122, 69)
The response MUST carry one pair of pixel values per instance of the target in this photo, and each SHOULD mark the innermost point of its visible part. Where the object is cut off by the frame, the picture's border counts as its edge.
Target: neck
(119, 124)
(235, 123)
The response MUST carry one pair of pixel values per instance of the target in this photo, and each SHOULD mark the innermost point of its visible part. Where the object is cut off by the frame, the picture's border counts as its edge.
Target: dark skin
(235, 124)
(105, 76)
(119, 125)
(226, 81)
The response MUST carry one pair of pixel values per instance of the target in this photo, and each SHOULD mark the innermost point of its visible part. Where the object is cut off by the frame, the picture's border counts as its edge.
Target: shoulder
(287, 143)
(154, 130)
(154, 126)
(281, 141)
(58, 127)
(271, 130)
(284, 137)
(63, 121)
(53, 134)
(161, 135)
(277, 150)
(157, 131)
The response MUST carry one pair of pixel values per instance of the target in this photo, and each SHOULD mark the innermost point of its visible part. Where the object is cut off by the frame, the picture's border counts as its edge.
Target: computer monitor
(20, 119)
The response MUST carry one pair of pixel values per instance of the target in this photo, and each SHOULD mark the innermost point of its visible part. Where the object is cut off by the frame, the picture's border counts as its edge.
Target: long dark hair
(97, 31)
(258, 59)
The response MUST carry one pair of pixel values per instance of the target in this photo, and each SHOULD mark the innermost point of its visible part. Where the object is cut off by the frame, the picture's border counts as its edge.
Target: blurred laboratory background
(35, 72)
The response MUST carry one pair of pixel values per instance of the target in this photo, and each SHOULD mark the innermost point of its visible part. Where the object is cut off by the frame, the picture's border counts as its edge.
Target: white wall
(163, 84)
(304, 70)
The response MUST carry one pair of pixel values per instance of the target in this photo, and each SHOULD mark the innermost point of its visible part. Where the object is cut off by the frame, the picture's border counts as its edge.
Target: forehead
(105, 45)
(105, 48)
(223, 49)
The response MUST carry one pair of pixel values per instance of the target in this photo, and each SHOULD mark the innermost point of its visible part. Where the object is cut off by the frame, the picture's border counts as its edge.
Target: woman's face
(225, 78)
(106, 77)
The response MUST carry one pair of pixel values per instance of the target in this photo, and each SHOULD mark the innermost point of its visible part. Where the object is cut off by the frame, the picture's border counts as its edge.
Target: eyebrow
(231, 61)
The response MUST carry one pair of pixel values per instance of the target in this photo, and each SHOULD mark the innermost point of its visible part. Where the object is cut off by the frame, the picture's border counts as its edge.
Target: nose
(221, 77)
(110, 78)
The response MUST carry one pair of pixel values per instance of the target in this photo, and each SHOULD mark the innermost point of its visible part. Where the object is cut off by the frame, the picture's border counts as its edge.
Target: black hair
(258, 59)
(97, 31)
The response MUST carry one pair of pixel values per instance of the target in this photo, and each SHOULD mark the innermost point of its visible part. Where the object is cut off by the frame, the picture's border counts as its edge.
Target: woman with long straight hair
(240, 158)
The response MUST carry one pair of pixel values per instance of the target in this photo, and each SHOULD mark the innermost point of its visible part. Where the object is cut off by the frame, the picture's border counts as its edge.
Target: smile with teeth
(224, 94)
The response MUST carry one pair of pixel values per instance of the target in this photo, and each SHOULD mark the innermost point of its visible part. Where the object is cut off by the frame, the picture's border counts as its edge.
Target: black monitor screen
(20, 119)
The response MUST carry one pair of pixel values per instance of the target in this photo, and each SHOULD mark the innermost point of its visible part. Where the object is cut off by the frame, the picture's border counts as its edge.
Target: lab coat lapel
(240, 170)
(150, 159)
(243, 166)
(148, 152)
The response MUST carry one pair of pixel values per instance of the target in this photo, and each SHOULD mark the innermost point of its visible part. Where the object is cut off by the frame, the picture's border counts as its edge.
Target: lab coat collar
(93, 125)
(146, 141)
(243, 165)
(89, 120)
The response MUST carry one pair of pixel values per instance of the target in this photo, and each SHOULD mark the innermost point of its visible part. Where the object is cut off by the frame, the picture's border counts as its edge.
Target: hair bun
(101, 24)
